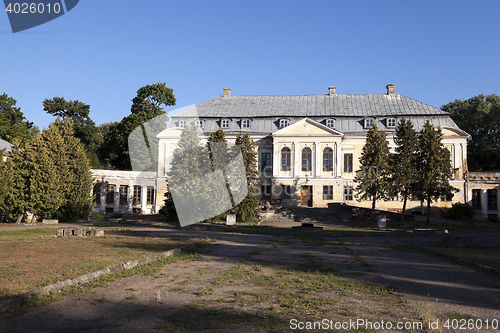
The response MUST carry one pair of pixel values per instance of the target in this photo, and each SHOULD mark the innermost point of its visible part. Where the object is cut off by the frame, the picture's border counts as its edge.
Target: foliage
(460, 212)
(84, 128)
(402, 164)
(479, 116)
(50, 177)
(114, 152)
(13, 125)
(248, 210)
(373, 177)
(433, 167)
(190, 162)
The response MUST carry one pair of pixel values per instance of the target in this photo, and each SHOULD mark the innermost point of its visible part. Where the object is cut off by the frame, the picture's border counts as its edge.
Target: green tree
(403, 163)
(433, 167)
(5, 186)
(373, 177)
(248, 210)
(146, 106)
(78, 183)
(479, 116)
(13, 125)
(84, 127)
(189, 163)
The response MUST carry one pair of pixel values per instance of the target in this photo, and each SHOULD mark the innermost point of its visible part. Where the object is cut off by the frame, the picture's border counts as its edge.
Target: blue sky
(102, 52)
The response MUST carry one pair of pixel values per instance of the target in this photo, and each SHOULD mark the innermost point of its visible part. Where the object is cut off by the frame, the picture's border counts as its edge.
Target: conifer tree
(373, 177)
(219, 158)
(78, 185)
(5, 186)
(248, 210)
(190, 162)
(403, 163)
(433, 167)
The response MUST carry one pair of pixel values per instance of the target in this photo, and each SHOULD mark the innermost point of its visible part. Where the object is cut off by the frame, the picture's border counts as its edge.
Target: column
(276, 159)
(117, 199)
(143, 198)
(129, 197)
(296, 160)
(484, 203)
(338, 161)
(317, 160)
(166, 159)
(103, 197)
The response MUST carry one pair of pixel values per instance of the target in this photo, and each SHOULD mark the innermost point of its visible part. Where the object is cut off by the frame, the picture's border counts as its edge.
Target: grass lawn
(29, 261)
(488, 257)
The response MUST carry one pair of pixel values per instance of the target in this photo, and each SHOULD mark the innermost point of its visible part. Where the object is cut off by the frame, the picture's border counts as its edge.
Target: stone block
(45, 221)
(231, 219)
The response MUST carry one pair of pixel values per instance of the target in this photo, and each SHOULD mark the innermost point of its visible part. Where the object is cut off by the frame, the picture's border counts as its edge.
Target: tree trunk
(19, 218)
(404, 207)
(428, 209)
(373, 211)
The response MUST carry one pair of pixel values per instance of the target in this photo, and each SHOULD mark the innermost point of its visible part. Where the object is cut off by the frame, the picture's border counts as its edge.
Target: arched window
(306, 159)
(328, 159)
(285, 159)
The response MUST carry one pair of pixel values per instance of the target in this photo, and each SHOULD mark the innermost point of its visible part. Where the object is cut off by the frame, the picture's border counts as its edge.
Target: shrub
(459, 212)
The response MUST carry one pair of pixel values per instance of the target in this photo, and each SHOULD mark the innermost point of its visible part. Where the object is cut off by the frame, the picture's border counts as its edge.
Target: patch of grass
(132, 297)
(205, 291)
(103, 299)
(488, 257)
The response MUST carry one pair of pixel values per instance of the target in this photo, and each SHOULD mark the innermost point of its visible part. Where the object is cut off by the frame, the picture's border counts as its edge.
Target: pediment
(453, 131)
(307, 127)
(173, 132)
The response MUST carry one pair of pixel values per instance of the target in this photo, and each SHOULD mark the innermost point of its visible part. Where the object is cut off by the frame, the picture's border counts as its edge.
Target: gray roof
(5, 145)
(345, 105)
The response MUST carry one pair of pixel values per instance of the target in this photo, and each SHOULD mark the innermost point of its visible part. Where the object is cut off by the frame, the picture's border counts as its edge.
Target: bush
(459, 212)
(493, 219)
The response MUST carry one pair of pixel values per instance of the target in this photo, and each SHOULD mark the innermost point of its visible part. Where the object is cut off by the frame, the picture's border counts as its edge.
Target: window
(198, 123)
(492, 199)
(347, 162)
(266, 192)
(348, 193)
(97, 193)
(110, 194)
(391, 122)
(330, 123)
(328, 159)
(225, 123)
(368, 122)
(283, 123)
(182, 123)
(476, 199)
(306, 159)
(150, 195)
(265, 164)
(285, 192)
(123, 194)
(285, 159)
(245, 123)
(136, 198)
(328, 192)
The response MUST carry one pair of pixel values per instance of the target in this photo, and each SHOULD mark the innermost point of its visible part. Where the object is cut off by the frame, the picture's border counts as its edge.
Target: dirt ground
(430, 288)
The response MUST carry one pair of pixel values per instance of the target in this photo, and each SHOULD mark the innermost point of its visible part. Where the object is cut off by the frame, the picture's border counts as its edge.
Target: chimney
(331, 91)
(390, 89)
(227, 92)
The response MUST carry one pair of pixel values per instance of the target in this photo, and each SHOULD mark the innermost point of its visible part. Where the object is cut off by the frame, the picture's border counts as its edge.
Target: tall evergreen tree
(403, 163)
(248, 210)
(78, 185)
(5, 186)
(433, 167)
(219, 158)
(13, 124)
(373, 177)
(189, 163)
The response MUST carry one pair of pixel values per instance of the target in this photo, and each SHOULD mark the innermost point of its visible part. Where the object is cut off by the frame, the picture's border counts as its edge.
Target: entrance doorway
(306, 196)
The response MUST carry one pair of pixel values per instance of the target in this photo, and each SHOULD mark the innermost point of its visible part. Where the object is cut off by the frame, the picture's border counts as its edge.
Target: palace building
(308, 147)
